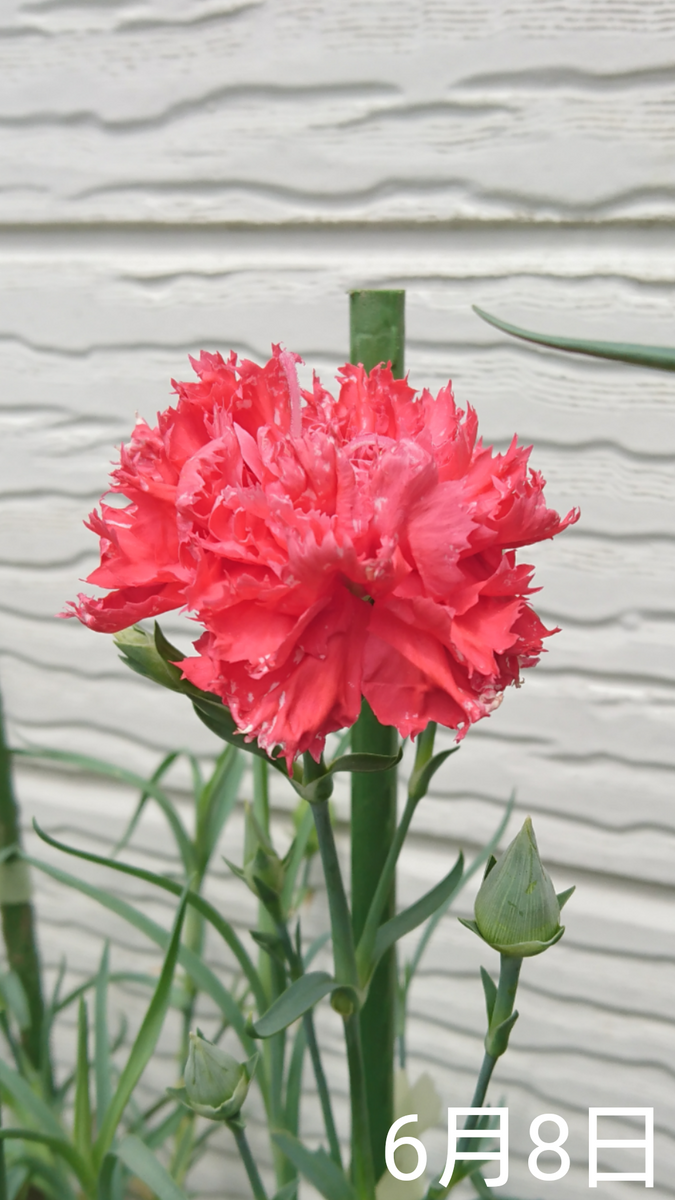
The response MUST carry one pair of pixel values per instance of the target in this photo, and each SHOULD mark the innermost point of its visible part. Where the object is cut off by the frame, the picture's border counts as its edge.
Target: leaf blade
(404, 922)
(658, 358)
(316, 1166)
(298, 999)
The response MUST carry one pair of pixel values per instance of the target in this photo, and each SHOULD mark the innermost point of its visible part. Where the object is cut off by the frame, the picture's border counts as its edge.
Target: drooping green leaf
(145, 1042)
(420, 780)
(199, 972)
(413, 916)
(364, 762)
(659, 358)
(58, 1146)
(82, 1114)
(121, 775)
(474, 866)
(316, 1166)
(302, 995)
(142, 1162)
(198, 902)
(128, 833)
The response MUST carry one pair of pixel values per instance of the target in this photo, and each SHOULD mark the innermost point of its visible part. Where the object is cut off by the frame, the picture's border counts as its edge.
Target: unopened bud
(215, 1083)
(517, 911)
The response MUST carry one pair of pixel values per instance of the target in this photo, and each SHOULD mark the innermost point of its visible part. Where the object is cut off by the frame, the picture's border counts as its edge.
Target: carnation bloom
(331, 548)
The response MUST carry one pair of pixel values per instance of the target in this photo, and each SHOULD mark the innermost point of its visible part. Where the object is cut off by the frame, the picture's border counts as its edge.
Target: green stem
(18, 925)
(509, 974)
(244, 1149)
(273, 980)
(377, 334)
(340, 917)
(363, 1176)
(296, 970)
(322, 1088)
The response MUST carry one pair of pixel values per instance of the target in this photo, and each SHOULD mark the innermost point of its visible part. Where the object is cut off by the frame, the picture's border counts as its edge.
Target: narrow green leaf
(316, 1166)
(59, 1146)
(474, 866)
(121, 775)
(420, 780)
(50, 1180)
(490, 990)
(201, 975)
(659, 358)
(302, 995)
(364, 762)
(101, 1040)
(146, 1040)
(197, 901)
(217, 800)
(82, 1114)
(271, 944)
(161, 770)
(563, 897)
(141, 1161)
(413, 916)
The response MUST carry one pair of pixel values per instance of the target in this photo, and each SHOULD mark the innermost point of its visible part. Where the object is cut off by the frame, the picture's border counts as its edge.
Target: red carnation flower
(330, 548)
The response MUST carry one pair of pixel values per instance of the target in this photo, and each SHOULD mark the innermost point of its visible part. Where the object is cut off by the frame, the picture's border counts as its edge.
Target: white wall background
(177, 175)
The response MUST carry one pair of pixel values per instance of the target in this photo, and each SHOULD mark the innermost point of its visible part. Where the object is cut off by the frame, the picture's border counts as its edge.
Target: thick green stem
(363, 1176)
(373, 833)
(244, 1149)
(377, 334)
(385, 883)
(18, 921)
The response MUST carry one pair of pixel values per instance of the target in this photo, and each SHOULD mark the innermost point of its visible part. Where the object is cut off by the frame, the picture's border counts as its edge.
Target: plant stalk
(377, 334)
(363, 1176)
(248, 1160)
(18, 923)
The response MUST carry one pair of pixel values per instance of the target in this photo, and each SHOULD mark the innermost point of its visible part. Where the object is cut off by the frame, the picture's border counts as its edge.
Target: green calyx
(517, 911)
(216, 1085)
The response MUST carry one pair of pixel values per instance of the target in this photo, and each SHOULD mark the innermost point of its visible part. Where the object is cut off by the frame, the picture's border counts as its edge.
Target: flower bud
(517, 911)
(215, 1083)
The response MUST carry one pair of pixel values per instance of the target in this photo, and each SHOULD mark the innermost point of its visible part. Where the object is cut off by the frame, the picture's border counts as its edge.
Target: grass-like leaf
(138, 1158)
(202, 906)
(658, 358)
(145, 1042)
(102, 1075)
(82, 1114)
(120, 775)
(199, 972)
(317, 1167)
(413, 916)
(58, 1146)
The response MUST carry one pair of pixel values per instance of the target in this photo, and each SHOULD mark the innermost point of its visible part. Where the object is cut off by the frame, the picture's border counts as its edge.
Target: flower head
(330, 547)
(216, 1085)
(517, 910)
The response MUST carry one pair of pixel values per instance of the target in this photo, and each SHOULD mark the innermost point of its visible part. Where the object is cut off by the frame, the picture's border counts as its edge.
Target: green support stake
(18, 920)
(377, 335)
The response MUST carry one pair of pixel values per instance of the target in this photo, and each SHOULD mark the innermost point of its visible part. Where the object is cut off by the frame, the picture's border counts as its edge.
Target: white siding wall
(211, 174)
